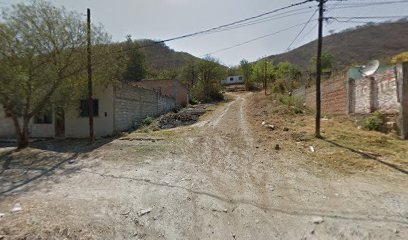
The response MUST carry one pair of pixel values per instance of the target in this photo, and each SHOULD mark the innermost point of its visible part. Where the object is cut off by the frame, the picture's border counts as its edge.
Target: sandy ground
(212, 180)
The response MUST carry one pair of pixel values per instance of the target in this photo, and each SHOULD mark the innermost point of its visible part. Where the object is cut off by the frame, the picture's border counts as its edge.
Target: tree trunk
(21, 133)
(23, 143)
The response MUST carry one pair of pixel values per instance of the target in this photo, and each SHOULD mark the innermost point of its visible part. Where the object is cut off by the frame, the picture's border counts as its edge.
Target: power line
(301, 31)
(219, 28)
(367, 17)
(236, 22)
(258, 21)
(252, 40)
(310, 31)
(362, 5)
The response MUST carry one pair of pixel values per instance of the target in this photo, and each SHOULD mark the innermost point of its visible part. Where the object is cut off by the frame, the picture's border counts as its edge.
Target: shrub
(374, 122)
(147, 121)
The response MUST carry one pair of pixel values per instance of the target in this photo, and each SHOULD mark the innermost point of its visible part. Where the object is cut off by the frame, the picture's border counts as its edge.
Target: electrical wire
(252, 40)
(219, 28)
(301, 31)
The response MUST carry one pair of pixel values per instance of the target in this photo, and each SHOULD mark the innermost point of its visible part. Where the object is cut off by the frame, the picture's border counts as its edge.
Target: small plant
(147, 121)
(374, 122)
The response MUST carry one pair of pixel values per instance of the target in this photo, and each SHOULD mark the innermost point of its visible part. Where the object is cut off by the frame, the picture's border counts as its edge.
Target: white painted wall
(6, 125)
(233, 80)
(78, 127)
(7, 129)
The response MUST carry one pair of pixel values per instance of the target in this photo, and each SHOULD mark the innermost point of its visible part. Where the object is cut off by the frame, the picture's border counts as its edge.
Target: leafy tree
(135, 69)
(189, 74)
(327, 62)
(246, 69)
(208, 88)
(258, 71)
(287, 74)
(42, 60)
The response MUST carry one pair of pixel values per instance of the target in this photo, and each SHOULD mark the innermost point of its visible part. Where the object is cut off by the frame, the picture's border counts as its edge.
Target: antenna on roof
(370, 68)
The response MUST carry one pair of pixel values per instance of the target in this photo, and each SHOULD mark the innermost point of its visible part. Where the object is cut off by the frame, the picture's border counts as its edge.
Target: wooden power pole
(265, 80)
(90, 100)
(319, 68)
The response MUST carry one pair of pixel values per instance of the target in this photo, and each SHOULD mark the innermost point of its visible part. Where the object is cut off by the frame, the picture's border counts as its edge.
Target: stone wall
(133, 104)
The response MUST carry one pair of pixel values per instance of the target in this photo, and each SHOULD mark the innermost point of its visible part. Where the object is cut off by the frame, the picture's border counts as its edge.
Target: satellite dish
(370, 68)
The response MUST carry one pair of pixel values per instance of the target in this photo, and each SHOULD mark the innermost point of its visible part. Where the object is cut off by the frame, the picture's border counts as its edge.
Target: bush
(193, 101)
(374, 122)
(147, 121)
(290, 101)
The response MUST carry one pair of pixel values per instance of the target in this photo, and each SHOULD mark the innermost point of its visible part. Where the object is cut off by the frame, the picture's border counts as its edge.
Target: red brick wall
(334, 96)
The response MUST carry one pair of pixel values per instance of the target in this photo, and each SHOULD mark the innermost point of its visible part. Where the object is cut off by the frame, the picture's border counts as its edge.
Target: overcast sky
(163, 19)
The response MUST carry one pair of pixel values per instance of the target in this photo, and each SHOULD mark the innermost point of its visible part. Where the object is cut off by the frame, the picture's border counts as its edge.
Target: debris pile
(185, 117)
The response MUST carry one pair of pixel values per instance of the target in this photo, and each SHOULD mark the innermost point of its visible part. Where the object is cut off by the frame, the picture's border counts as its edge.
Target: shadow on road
(369, 156)
(43, 159)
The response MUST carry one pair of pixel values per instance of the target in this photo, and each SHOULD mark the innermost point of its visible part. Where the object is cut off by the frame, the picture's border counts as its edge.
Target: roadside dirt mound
(185, 117)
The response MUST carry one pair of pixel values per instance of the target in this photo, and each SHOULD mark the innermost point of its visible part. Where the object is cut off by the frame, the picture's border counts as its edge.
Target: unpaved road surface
(206, 181)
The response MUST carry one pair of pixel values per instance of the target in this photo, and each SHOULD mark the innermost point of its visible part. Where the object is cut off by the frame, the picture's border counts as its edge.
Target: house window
(231, 79)
(84, 108)
(44, 117)
(240, 78)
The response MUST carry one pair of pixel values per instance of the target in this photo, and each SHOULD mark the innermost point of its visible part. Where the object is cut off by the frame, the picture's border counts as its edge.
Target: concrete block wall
(170, 88)
(377, 92)
(133, 104)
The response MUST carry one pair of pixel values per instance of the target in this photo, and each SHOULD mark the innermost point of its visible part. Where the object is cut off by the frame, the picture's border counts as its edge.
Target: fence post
(404, 101)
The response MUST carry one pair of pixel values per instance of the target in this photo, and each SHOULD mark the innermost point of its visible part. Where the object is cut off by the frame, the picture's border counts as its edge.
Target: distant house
(170, 88)
(230, 80)
(116, 109)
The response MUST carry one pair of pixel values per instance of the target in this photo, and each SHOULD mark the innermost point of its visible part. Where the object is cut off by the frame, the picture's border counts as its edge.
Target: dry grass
(345, 148)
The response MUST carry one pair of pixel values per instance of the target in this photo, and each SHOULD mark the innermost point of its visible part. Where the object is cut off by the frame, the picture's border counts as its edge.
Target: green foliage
(135, 66)
(207, 88)
(374, 122)
(43, 59)
(246, 69)
(147, 121)
(290, 101)
(279, 87)
(189, 74)
(327, 62)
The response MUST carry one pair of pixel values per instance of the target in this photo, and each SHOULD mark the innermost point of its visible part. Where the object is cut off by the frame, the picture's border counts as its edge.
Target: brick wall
(341, 95)
(334, 96)
(133, 104)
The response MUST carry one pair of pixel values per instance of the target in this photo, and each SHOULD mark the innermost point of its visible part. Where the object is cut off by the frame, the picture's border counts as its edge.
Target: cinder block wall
(378, 92)
(133, 104)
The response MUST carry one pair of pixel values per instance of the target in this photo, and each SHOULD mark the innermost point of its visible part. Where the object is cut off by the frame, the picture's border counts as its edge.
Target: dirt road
(211, 180)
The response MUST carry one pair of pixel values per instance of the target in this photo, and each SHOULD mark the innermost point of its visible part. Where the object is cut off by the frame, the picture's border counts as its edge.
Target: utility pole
(319, 68)
(90, 100)
(265, 81)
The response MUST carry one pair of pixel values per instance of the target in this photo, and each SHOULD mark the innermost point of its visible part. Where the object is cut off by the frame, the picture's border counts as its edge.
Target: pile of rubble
(186, 116)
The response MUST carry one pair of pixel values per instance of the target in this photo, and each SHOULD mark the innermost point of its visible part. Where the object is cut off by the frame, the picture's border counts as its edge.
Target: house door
(59, 122)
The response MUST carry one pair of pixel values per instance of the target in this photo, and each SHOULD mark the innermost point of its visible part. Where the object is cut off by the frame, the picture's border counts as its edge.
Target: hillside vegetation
(356, 46)
(159, 58)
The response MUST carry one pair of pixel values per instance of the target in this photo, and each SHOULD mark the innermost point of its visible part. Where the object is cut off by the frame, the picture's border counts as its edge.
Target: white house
(116, 108)
(233, 80)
